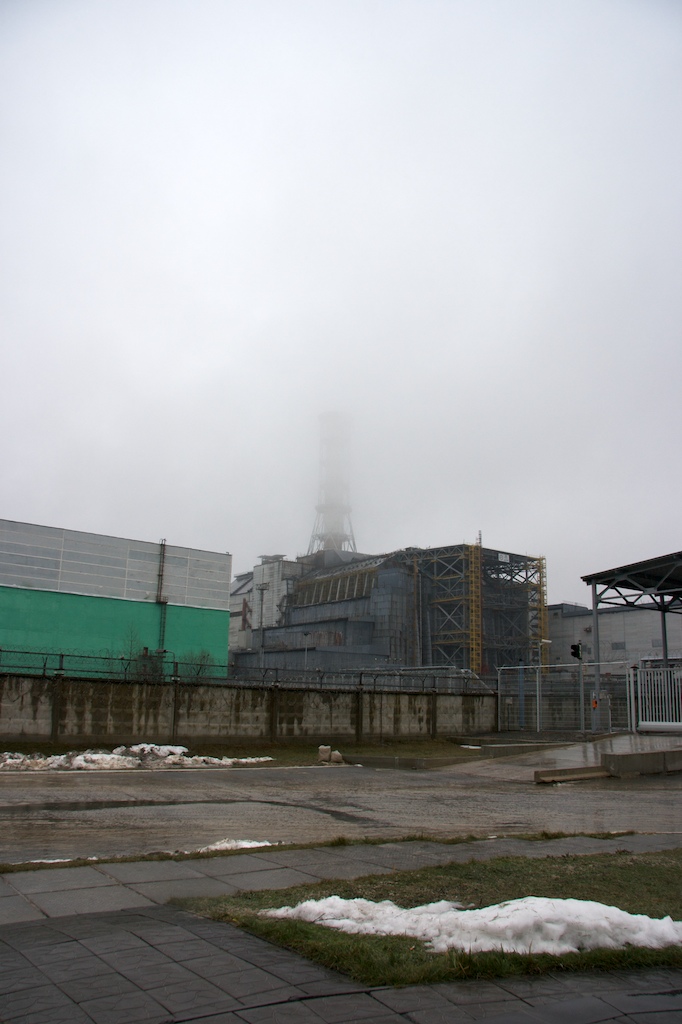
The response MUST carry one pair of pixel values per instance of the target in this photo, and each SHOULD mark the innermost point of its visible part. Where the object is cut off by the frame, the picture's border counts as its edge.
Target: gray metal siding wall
(377, 626)
(393, 627)
(69, 561)
(625, 634)
(301, 616)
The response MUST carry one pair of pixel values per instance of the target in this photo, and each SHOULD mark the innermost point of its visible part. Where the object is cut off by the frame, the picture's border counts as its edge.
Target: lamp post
(538, 687)
(261, 588)
(306, 634)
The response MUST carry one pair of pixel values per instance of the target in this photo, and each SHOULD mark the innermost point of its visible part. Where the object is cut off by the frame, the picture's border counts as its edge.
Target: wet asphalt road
(103, 814)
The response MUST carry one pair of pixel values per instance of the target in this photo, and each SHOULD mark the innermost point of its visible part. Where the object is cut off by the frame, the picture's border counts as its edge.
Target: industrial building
(628, 634)
(257, 597)
(463, 606)
(92, 595)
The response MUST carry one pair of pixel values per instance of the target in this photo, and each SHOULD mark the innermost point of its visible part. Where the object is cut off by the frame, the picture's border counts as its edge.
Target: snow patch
(532, 924)
(140, 755)
(232, 844)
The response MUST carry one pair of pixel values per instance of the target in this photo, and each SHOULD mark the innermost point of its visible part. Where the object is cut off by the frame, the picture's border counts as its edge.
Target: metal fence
(566, 698)
(145, 667)
(423, 680)
(557, 698)
(161, 667)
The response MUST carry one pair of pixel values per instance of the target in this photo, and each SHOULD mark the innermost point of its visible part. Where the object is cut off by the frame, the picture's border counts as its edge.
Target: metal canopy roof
(658, 580)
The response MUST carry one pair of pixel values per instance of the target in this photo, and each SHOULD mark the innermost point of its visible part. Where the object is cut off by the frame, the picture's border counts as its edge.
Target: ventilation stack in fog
(333, 530)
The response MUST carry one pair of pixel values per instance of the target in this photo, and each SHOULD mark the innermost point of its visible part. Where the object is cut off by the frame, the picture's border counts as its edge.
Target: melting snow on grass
(140, 755)
(232, 844)
(532, 924)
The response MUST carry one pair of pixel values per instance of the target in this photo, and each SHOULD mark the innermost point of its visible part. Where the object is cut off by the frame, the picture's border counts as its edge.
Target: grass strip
(647, 883)
(284, 754)
(181, 855)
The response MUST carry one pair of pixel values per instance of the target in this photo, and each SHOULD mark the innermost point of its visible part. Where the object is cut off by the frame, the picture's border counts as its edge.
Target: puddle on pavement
(132, 830)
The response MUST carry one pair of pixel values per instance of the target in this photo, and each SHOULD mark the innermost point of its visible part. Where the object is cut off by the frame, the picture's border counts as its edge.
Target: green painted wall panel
(42, 620)
(192, 630)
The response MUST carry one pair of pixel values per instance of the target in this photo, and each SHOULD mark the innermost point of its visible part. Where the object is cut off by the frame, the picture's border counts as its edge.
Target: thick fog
(459, 222)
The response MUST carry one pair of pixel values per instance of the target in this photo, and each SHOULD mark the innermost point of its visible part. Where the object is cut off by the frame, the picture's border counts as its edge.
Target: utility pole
(261, 588)
(538, 687)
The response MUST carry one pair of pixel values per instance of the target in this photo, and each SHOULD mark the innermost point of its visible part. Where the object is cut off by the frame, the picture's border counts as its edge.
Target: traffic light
(577, 651)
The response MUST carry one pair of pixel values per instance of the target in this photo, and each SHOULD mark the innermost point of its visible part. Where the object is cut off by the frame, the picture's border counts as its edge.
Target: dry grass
(289, 754)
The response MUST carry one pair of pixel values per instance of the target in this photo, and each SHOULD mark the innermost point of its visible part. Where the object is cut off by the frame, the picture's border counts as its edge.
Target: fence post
(538, 699)
(56, 706)
(581, 688)
(359, 702)
(54, 736)
(274, 712)
(632, 717)
(176, 696)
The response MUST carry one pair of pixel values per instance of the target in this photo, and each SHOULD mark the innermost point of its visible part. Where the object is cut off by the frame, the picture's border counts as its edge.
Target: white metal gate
(659, 699)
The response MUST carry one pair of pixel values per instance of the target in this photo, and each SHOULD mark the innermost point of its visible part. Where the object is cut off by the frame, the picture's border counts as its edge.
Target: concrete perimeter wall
(102, 712)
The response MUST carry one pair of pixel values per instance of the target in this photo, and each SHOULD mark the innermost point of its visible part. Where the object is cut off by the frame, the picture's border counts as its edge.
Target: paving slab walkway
(97, 945)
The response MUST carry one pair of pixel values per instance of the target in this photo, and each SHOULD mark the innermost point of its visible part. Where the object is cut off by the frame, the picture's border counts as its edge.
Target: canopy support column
(664, 635)
(595, 638)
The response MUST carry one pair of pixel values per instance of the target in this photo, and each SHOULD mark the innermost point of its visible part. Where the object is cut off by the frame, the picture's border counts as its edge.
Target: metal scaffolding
(462, 606)
(483, 608)
(475, 608)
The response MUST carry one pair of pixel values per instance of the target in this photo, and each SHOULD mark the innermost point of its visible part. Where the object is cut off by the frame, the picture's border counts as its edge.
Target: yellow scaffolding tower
(474, 595)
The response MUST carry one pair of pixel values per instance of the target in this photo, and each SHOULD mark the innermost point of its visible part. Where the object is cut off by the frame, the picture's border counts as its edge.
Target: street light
(306, 634)
(538, 687)
(261, 588)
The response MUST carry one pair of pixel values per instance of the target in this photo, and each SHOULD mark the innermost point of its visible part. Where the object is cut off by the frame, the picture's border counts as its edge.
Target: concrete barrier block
(651, 762)
(673, 760)
(549, 775)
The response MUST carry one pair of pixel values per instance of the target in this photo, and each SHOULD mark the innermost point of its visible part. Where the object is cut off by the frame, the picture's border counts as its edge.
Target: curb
(619, 766)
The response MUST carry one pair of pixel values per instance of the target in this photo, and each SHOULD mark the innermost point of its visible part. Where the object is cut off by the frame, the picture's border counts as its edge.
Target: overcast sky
(457, 221)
